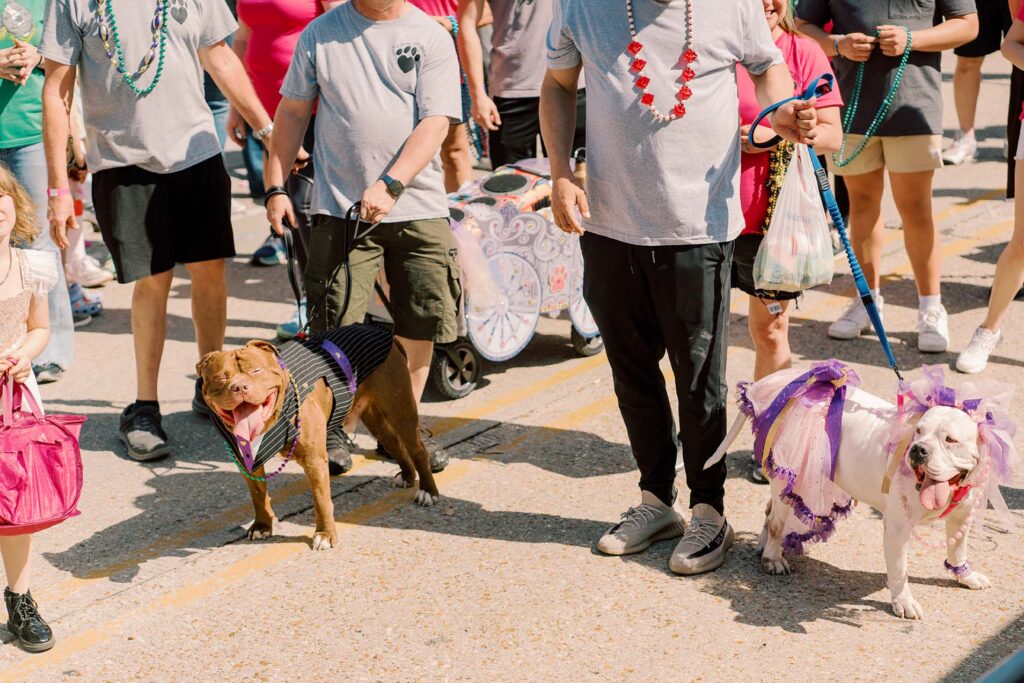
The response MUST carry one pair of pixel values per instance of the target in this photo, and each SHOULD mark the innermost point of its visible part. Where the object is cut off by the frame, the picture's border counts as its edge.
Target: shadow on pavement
(999, 646)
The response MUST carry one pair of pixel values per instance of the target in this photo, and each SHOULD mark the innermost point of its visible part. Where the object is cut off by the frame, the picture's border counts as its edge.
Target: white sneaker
(964, 148)
(933, 330)
(974, 358)
(641, 526)
(87, 272)
(703, 546)
(854, 320)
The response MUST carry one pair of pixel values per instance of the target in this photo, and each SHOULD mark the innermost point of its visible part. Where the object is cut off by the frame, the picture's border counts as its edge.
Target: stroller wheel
(586, 346)
(456, 369)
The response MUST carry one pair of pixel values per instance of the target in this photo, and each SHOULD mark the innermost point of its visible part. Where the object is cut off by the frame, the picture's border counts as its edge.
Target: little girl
(25, 278)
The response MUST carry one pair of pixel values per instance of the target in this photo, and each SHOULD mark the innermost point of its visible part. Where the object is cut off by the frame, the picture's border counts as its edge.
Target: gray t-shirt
(517, 59)
(651, 183)
(376, 81)
(169, 129)
(917, 106)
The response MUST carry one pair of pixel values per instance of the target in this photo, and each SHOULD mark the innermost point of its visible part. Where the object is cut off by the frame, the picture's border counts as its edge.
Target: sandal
(82, 304)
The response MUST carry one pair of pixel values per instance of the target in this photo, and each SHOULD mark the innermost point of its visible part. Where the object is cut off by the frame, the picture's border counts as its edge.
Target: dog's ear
(260, 344)
(205, 361)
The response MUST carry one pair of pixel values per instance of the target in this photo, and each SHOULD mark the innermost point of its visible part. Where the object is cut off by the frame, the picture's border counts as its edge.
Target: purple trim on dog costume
(960, 571)
(342, 360)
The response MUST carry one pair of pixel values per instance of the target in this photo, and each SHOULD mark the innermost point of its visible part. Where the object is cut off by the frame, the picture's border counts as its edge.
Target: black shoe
(142, 433)
(436, 453)
(199, 406)
(339, 452)
(33, 634)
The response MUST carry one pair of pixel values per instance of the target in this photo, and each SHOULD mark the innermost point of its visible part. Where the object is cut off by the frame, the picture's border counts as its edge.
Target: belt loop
(653, 259)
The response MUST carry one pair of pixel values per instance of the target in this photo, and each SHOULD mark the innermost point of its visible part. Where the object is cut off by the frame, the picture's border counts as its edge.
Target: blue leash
(815, 89)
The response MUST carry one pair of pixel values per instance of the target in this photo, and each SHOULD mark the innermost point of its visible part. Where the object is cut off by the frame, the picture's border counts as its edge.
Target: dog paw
(776, 566)
(976, 581)
(906, 607)
(323, 541)
(259, 532)
(425, 499)
(400, 482)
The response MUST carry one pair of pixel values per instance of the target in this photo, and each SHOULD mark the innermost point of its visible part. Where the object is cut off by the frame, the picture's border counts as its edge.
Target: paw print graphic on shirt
(179, 11)
(407, 57)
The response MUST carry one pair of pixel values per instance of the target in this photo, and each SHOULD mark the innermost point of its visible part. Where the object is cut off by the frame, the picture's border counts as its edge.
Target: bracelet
(53, 192)
(455, 26)
(263, 132)
(273, 191)
(835, 45)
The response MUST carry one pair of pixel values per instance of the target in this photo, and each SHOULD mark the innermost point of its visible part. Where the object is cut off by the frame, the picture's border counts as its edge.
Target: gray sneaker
(142, 433)
(703, 546)
(641, 526)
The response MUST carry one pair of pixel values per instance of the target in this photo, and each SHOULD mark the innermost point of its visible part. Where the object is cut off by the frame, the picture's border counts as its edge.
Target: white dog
(943, 463)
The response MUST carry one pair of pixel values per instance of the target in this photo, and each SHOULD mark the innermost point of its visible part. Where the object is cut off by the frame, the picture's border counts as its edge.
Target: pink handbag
(40, 463)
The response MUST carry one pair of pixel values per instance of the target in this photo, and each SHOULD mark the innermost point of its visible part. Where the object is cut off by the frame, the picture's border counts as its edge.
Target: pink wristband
(58, 192)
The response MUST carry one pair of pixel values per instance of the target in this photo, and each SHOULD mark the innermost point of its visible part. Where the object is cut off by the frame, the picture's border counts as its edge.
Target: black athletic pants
(516, 138)
(648, 302)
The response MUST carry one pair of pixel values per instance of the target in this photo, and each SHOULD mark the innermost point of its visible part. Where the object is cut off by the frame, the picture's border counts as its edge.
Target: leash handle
(822, 86)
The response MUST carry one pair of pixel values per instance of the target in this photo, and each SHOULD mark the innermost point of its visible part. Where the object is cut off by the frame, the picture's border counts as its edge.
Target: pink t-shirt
(438, 8)
(275, 26)
(806, 62)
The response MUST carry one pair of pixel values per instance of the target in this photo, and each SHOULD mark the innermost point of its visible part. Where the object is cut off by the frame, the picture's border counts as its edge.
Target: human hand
(18, 364)
(567, 198)
(376, 203)
(16, 64)
(892, 40)
(485, 113)
(857, 47)
(279, 210)
(762, 134)
(61, 214)
(797, 121)
(236, 127)
(31, 56)
(301, 160)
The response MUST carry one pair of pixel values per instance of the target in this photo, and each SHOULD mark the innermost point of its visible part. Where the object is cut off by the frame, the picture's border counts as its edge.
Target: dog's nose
(240, 387)
(918, 454)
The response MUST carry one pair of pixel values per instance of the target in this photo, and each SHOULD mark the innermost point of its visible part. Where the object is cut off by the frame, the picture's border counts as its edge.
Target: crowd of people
(385, 103)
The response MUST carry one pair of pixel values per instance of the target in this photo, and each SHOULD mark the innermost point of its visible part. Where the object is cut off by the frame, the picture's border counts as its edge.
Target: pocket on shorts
(452, 307)
(909, 9)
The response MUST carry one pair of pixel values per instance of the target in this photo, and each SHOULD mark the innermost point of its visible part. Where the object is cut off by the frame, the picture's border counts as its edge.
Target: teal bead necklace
(840, 159)
(115, 53)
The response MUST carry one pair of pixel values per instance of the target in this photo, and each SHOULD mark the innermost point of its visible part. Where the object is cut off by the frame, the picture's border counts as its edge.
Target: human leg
(770, 334)
(30, 630)
(418, 354)
(912, 193)
(966, 88)
(17, 558)
(149, 328)
(209, 304)
(455, 158)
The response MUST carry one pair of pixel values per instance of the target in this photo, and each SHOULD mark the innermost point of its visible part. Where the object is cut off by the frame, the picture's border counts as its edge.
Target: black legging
(300, 191)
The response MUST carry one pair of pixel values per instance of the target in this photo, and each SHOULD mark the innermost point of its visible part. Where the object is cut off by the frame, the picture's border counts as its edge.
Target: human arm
(951, 33)
(19, 361)
(483, 110)
(1013, 46)
(290, 124)
(795, 121)
(58, 90)
(328, 5)
(1014, 8)
(558, 127)
(227, 72)
(856, 47)
(235, 124)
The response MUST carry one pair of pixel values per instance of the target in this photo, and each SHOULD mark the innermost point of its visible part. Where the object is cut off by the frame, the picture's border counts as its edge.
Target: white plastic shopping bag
(796, 254)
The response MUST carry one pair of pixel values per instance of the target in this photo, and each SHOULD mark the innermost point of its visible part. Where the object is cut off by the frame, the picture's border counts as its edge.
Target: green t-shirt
(21, 106)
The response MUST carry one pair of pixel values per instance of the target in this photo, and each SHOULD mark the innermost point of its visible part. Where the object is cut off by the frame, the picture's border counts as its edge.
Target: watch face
(395, 187)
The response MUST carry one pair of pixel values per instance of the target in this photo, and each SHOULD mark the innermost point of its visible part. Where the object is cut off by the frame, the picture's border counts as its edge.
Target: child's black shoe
(23, 621)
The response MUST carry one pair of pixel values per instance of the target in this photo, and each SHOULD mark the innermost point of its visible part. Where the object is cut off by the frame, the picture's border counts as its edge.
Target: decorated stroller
(516, 266)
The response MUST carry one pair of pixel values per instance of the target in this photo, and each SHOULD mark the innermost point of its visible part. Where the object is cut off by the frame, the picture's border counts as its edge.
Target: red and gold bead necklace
(642, 80)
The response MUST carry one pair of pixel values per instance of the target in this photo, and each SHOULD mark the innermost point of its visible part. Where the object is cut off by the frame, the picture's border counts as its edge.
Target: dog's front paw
(323, 540)
(260, 531)
(905, 606)
(425, 499)
(976, 581)
(400, 482)
(776, 566)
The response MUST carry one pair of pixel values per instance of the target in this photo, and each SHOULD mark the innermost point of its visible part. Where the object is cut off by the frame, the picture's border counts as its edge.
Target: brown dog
(249, 388)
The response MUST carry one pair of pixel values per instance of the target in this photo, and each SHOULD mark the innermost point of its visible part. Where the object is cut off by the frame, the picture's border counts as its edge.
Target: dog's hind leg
(263, 524)
(956, 549)
(762, 540)
(777, 515)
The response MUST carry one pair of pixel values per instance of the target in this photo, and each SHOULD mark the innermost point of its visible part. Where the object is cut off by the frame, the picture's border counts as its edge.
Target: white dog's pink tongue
(248, 421)
(934, 494)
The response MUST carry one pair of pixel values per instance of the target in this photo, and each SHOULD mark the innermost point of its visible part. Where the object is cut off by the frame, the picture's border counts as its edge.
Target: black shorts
(743, 256)
(152, 221)
(516, 138)
(994, 21)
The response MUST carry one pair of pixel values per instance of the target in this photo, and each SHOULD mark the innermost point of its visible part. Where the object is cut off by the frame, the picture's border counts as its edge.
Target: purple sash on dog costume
(796, 441)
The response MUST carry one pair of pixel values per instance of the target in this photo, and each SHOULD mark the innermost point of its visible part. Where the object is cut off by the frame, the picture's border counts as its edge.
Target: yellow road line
(266, 557)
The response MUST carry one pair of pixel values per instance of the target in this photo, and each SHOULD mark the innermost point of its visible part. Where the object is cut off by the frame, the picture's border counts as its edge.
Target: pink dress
(806, 62)
(38, 273)
(275, 26)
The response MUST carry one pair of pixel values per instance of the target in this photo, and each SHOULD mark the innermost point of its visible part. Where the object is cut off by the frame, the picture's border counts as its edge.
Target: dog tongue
(934, 494)
(248, 421)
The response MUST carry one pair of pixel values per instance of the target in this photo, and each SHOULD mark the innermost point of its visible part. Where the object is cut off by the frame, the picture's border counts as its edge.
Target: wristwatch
(394, 187)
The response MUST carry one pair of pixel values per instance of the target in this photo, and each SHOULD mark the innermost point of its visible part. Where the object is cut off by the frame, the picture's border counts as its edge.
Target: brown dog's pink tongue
(934, 494)
(247, 422)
